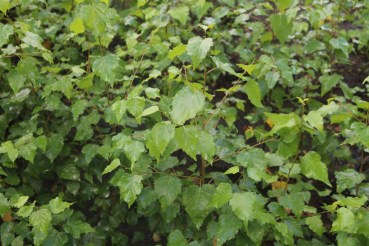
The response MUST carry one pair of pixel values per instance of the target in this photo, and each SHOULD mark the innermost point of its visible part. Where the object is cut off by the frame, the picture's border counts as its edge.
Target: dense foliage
(184, 122)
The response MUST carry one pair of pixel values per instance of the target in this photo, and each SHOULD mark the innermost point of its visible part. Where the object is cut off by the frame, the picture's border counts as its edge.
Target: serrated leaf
(5, 32)
(96, 17)
(195, 201)
(197, 49)
(119, 108)
(293, 201)
(8, 147)
(222, 195)
(272, 78)
(328, 82)
(129, 185)
(186, 104)
(133, 150)
(315, 224)
(28, 151)
(78, 108)
(253, 92)
(281, 26)
(225, 66)
(348, 179)
(312, 167)
(315, 119)
(111, 166)
(34, 40)
(90, 151)
(4, 6)
(345, 219)
(21, 201)
(4, 204)
(77, 26)
(242, 205)
(86, 82)
(135, 106)
(186, 137)
(77, 227)
(314, 45)
(205, 145)
(54, 146)
(16, 80)
(228, 227)
(176, 238)
(177, 51)
(180, 13)
(25, 211)
(150, 110)
(41, 219)
(56, 239)
(161, 135)
(167, 189)
(57, 205)
(232, 170)
(104, 67)
(152, 92)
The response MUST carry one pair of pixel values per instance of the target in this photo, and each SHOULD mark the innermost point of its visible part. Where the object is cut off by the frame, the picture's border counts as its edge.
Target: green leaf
(135, 106)
(361, 223)
(232, 170)
(283, 234)
(54, 146)
(5, 32)
(57, 205)
(8, 147)
(345, 219)
(78, 108)
(129, 185)
(141, 3)
(186, 137)
(272, 78)
(77, 26)
(205, 145)
(225, 66)
(340, 43)
(348, 179)
(314, 45)
(18, 241)
(41, 219)
(293, 201)
(111, 166)
(34, 40)
(253, 92)
(21, 201)
(90, 151)
(104, 67)
(152, 92)
(119, 108)
(252, 158)
(56, 239)
(176, 238)
(16, 80)
(161, 135)
(315, 119)
(150, 110)
(177, 51)
(133, 150)
(25, 211)
(86, 82)
(4, 6)
(96, 17)
(197, 49)
(180, 13)
(281, 26)
(315, 224)
(77, 227)
(28, 151)
(4, 204)
(243, 205)
(312, 167)
(186, 104)
(222, 195)
(328, 81)
(195, 201)
(167, 189)
(228, 227)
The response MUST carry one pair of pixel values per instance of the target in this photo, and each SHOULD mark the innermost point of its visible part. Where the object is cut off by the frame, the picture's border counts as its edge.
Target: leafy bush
(184, 122)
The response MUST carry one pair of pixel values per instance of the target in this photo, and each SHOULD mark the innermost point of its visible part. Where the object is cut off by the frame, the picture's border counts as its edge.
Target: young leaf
(24, 211)
(197, 49)
(315, 224)
(133, 150)
(195, 201)
(5, 32)
(177, 51)
(345, 219)
(162, 133)
(112, 166)
(21, 201)
(86, 82)
(8, 147)
(186, 104)
(312, 167)
(77, 26)
(293, 201)
(348, 179)
(167, 189)
(186, 137)
(57, 205)
(253, 92)
(104, 67)
(150, 110)
(119, 108)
